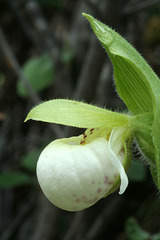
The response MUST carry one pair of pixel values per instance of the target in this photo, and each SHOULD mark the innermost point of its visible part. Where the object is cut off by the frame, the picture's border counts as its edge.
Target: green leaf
(156, 236)
(156, 141)
(39, 72)
(14, 179)
(67, 55)
(134, 90)
(142, 125)
(77, 114)
(29, 160)
(134, 231)
(136, 82)
(133, 76)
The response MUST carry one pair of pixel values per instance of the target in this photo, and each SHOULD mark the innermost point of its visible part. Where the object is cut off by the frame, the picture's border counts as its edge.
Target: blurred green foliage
(137, 172)
(14, 179)
(135, 232)
(40, 73)
(67, 55)
(29, 160)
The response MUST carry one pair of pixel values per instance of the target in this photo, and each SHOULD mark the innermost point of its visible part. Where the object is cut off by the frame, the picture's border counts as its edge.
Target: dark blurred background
(47, 51)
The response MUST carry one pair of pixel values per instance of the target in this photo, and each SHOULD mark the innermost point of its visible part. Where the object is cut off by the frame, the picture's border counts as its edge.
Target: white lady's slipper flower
(74, 173)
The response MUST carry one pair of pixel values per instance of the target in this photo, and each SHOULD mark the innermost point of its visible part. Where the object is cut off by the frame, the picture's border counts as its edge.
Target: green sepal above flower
(77, 114)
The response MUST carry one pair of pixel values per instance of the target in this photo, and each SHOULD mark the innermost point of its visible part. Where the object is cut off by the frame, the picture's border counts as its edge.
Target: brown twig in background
(74, 225)
(91, 69)
(13, 63)
(94, 59)
(2, 116)
(25, 25)
(45, 220)
(34, 11)
(12, 228)
(50, 44)
(104, 217)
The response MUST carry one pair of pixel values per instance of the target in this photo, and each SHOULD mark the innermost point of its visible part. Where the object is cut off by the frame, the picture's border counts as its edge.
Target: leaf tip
(27, 118)
(87, 16)
(102, 31)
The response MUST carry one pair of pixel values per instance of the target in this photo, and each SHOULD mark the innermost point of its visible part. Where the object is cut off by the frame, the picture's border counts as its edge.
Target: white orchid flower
(74, 173)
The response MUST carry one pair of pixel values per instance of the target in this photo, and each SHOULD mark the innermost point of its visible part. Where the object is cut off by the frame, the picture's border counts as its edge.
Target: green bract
(137, 85)
(132, 74)
(77, 114)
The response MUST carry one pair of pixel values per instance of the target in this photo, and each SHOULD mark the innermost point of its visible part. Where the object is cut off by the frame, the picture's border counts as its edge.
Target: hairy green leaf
(133, 76)
(136, 82)
(76, 114)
